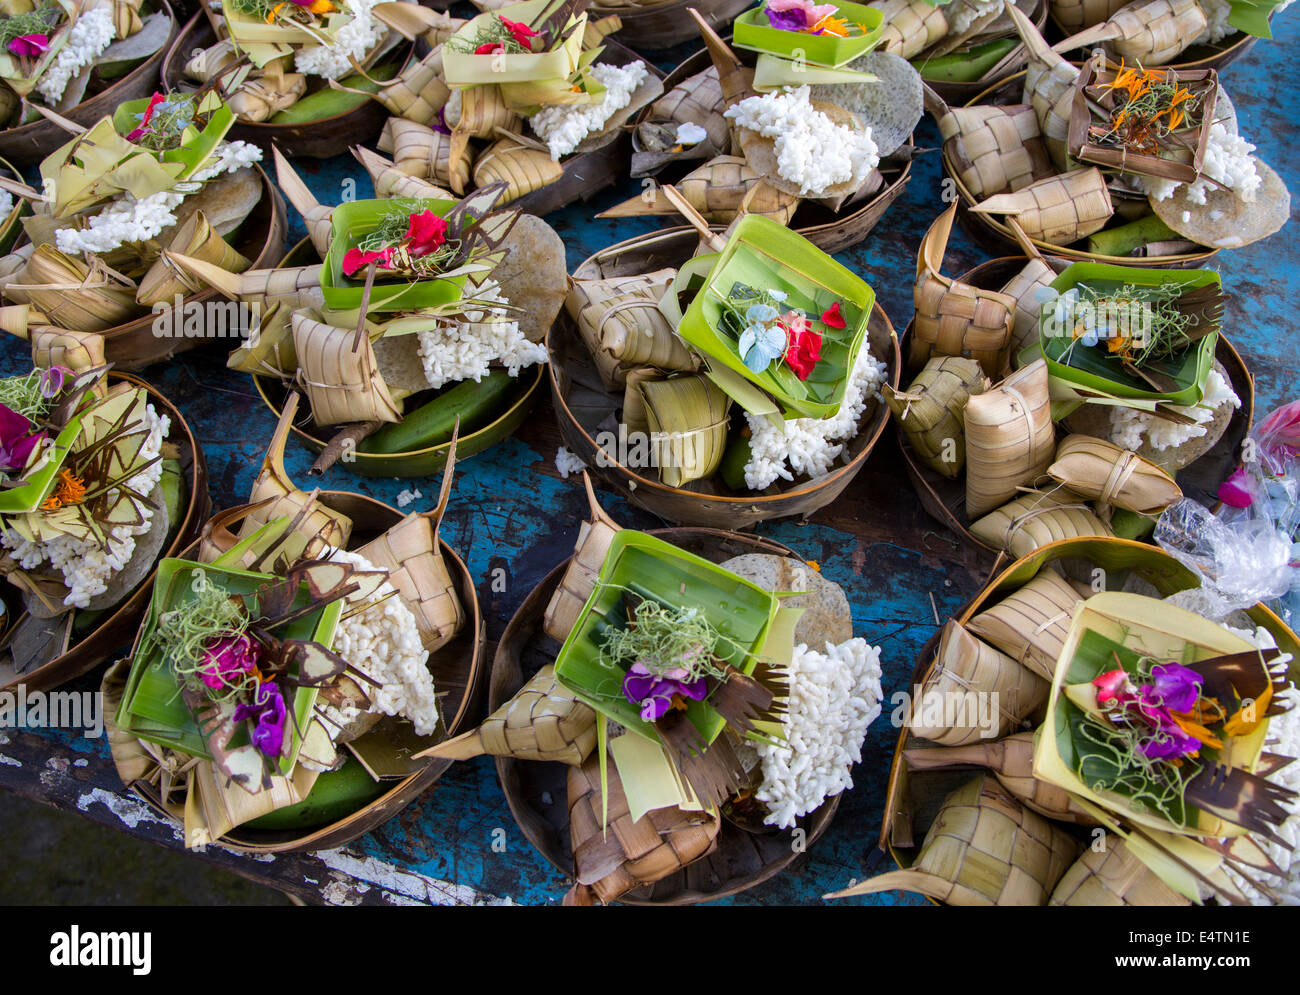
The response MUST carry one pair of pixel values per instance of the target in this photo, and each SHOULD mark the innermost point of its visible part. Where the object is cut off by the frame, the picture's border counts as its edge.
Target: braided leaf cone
(911, 26)
(930, 411)
(616, 855)
(1024, 287)
(687, 417)
(1009, 438)
(1111, 876)
(620, 322)
(421, 152)
(965, 667)
(416, 94)
(194, 238)
(389, 181)
(273, 483)
(1075, 15)
(543, 721)
(343, 383)
(954, 318)
(718, 190)
(1012, 761)
(1036, 518)
(1060, 209)
(74, 295)
(1049, 87)
(1104, 472)
(579, 579)
(412, 555)
(983, 848)
(697, 100)
(77, 351)
(995, 149)
(1030, 625)
(521, 167)
(1150, 32)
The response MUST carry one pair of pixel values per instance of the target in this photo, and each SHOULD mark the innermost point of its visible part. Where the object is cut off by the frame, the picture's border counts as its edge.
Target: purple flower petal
(15, 443)
(269, 712)
(1176, 687)
(1235, 491)
(787, 20)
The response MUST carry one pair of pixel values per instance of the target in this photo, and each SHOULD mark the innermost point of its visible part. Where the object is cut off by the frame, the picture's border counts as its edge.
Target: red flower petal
(355, 259)
(489, 48)
(832, 318)
(425, 233)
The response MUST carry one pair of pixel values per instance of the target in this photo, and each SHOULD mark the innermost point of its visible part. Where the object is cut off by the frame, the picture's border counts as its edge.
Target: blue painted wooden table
(511, 510)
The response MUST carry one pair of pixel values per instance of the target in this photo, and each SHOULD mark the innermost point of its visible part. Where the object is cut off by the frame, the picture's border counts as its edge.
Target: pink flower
(154, 101)
(519, 32)
(227, 660)
(426, 233)
(1111, 686)
(1235, 492)
(804, 346)
(355, 259)
(30, 45)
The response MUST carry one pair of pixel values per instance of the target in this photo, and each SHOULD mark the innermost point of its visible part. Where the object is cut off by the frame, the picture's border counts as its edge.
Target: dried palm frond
(930, 411)
(389, 181)
(76, 295)
(688, 419)
(195, 238)
(1009, 438)
(579, 580)
(340, 376)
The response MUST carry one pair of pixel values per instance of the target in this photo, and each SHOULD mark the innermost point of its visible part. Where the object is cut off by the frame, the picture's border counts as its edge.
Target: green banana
(336, 794)
(732, 467)
(967, 66)
(329, 102)
(430, 425)
(1125, 239)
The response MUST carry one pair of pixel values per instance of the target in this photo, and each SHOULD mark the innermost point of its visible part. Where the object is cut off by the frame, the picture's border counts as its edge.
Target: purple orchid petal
(15, 443)
(787, 20)
(270, 715)
(52, 381)
(30, 45)
(695, 690)
(227, 660)
(1176, 687)
(1235, 492)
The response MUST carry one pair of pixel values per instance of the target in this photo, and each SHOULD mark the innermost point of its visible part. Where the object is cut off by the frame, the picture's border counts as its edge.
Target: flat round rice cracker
(1225, 221)
(761, 154)
(891, 107)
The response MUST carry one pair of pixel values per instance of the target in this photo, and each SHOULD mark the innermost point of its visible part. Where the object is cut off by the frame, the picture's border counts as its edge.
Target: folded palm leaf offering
(284, 673)
(687, 698)
(92, 492)
(819, 121)
(1140, 161)
(278, 62)
(157, 177)
(1067, 401)
(58, 54)
(425, 309)
(1154, 722)
(766, 320)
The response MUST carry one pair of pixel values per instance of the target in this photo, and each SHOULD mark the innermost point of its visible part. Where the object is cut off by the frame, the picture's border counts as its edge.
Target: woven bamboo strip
(343, 384)
(1024, 287)
(1036, 518)
(990, 694)
(417, 93)
(1110, 475)
(314, 214)
(196, 239)
(579, 580)
(1011, 760)
(522, 168)
(1060, 209)
(954, 318)
(930, 411)
(995, 148)
(1030, 625)
(1110, 874)
(291, 286)
(614, 855)
(543, 722)
(983, 848)
(1049, 87)
(911, 26)
(696, 100)
(1009, 438)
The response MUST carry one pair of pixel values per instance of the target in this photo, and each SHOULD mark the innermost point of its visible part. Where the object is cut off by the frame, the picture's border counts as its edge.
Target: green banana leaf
(768, 256)
(739, 609)
(152, 707)
(752, 31)
(1089, 369)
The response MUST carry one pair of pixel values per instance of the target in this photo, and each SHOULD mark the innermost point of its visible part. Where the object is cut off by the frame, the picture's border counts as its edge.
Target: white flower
(228, 157)
(567, 462)
(122, 221)
(1217, 28)
(465, 347)
(834, 697)
(353, 40)
(811, 445)
(564, 126)
(89, 35)
(811, 149)
(1128, 425)
(383, 642)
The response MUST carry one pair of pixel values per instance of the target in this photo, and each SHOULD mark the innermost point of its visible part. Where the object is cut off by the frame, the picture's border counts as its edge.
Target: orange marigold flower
(70, 489)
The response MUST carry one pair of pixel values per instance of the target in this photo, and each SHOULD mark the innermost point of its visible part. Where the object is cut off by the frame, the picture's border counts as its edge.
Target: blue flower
(760, 344)
(761, 313)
